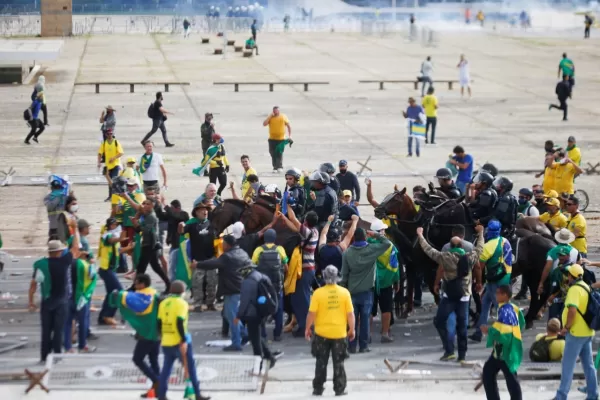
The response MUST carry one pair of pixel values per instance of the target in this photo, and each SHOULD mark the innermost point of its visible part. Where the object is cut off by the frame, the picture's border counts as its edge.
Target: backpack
(591, 316)
(27, 114)
(453, 288)
(151, 111)
(266, 297)
(269, 264)
(540, 350)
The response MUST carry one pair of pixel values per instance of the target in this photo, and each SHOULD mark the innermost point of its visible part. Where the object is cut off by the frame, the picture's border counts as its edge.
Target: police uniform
(335, 185)
(325, 204)
(506, 212)
(482, 208)
(297, 199)
(452, 191)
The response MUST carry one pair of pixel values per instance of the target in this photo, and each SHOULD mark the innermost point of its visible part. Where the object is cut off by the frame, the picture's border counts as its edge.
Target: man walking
(456, 274)
(110, 153)
(158, 114)
(578, 336)
(430, 104)
(563, 92)
(359, 265)
(348, 181)
(207, 130)
(464, 76)
(331, 312)
(37, 127)
(149, 165)
(567, 68)
(277, 123)
(108, 120)
(426, 73)
(413, 115)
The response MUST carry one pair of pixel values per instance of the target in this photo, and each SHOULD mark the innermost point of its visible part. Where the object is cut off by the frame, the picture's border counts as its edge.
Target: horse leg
(399, 297)
(411, 277)
(536, 302)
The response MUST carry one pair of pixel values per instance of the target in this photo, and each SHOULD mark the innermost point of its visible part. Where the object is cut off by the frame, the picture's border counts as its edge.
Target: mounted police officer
(446, 184)
(482, 207)
(329, 169)
(297, 196)
(325, 200)
(507, 205)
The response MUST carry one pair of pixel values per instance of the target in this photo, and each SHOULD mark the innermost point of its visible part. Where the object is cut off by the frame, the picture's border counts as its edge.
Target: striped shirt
(310, 238)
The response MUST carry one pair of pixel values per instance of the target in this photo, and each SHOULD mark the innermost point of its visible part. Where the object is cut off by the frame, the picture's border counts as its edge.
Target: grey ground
(506, 122)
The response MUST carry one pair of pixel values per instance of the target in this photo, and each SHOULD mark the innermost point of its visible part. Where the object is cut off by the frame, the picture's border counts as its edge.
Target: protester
(567, 68)
(277, 123)
(526, 208)
(175, 216)
(348, 181)
(578, 336)
(565, 171)
(229, 265)
(40, 90)
(347, 208)
(504, 337)
(413, 115)
(563, 92)
(53, 273)
(176, 341)
(553, 216)
(573, 151)
(251, 45)
(426, 72)
(331, 245)
(577, 225)
(457, 268)
(331, 312)
(548, 346)
(207, 130)
(430, 105)
(149, 164)
(249, 241)
(248, 170)
(158, 114)
(564, 238)
(359, 265)
(64, 230)
(140, 309)
(463, 67)
(496, 260)
(55, 203)
(110, 153)
(108, 254)
(108, 119)
(210, 197)
(37, 127)
(559, 283)
(464, 163)
(218, 164)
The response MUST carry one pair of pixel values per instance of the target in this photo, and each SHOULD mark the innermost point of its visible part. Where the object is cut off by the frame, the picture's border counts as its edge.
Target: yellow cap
(131, 160)
(575, 270)
(347, 193)
(552, 194)
(553, 202)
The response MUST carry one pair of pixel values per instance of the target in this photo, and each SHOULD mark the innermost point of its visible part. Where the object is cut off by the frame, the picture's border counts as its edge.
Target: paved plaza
(506, 123)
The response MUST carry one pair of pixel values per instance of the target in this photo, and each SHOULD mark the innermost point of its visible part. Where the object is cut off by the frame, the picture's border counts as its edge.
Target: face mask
(522, 201)
(74, 208)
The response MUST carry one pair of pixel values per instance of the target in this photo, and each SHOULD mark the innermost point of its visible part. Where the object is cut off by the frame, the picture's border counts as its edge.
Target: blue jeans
(410, 141)
(488, 298)
(461, 310)
(172, 353)
(147, 348)
(111, 282)
(555, 310)
(278, 316)
(462, 186)
(363, 304)
(83, 320)
(301, 297)
(231, 304)
(578, 347)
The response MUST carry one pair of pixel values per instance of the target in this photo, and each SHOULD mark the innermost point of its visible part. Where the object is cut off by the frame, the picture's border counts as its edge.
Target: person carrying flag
(215, 159)
(413, 115)
(504, 337)
(140, 309)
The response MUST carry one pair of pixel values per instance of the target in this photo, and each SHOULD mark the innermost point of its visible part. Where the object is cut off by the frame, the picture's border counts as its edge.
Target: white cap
(378, 225)
(271, 188)
(237, 230)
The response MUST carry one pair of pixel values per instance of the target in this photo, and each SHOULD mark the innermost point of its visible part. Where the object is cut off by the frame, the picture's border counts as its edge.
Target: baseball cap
(575, 270)
(343, 163)
(571, 139)
(237, 230)
(132, 182)
(553, 202)
(552, 194)
(347, 193)
(270, 236)
(131, 160)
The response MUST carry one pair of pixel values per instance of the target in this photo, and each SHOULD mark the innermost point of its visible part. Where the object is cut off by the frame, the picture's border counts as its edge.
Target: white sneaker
(275, 170)
(280, 170)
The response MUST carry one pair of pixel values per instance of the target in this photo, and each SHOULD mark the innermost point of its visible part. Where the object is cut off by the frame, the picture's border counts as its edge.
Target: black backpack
(540, 350)
(269, 264)
(27, 114)
(266, 297)
(151, 111)
(453, 288)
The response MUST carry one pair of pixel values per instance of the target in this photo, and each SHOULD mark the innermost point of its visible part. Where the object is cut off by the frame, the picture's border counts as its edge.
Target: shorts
(385, 299)
(464, 82)
(129, 234)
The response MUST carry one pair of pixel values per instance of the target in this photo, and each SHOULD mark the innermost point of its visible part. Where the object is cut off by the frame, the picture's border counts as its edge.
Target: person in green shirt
(567, 68)
(251, 45)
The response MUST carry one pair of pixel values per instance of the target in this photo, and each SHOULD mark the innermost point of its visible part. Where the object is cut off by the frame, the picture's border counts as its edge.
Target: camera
(119, 185)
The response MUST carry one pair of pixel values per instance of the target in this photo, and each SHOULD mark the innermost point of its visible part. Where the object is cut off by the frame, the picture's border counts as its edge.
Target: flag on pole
(210, 154)
(417, 130)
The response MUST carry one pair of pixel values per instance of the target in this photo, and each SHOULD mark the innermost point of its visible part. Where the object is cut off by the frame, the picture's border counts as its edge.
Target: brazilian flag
(139, 309)
(183, 270)
(505, 336)
(210, 154)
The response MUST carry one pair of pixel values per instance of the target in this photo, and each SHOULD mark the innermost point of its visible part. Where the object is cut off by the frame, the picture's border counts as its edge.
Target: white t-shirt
(572, 257)
(152, 172)
(427, 68)
(464, 70)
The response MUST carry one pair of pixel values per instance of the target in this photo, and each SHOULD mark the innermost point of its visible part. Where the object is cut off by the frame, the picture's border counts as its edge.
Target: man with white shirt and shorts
(426, 72)
(464, 77)
(149, 165)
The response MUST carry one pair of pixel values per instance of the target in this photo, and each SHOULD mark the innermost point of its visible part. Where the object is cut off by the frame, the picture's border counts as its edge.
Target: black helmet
(491, 168)
(319, 176)
(294, 173)
(502, 184)
(484, 177)
(443, 173)
(327, 167)
(526, 192)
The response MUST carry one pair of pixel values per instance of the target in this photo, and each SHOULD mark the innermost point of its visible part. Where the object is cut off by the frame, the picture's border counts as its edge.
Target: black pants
(276, 158)
(36, 129)
(586, 32)
(563, 106)
(490, 383)
(53, 325)
(151, 349)
(157, 123)
(321, 347)
(150, 256)
(112, 173)
(259, 345)
(218, 174)
(45, 112)
(431, 122)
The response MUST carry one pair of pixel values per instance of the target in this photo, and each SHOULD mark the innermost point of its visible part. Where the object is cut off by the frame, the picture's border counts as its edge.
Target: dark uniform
(326, 203)
(451, 191)
(447, 185)
(329, 169)
(297, 194)
(482, 208)
(506, 208)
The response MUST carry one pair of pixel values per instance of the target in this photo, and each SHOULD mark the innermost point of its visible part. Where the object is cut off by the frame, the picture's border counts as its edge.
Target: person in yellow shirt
(577, 224)
(219, 164)
(556, 345)
(248, 170)
(277, 123)
(573, 152)
(553, 216)
(110, 153)
(565, 171)
(549, 182)
(332, 313)
(430, 104)
(578, 336)
(176, 341)
(131, 172)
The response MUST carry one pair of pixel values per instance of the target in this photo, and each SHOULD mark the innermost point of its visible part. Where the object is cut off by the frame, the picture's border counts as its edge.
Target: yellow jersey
(558, 220)
(549, 180)
(575, 155)
(430, 103)
(578, 297)
(557, 346)
(578, 223)
(245, 184)
(259, 250)
(170, 310)
(564, 174)
(277, 127)
(331, 305)
(110, 150)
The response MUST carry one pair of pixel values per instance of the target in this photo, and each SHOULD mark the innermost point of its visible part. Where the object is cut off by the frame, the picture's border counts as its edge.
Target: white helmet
(378, 225)
(271, 188)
